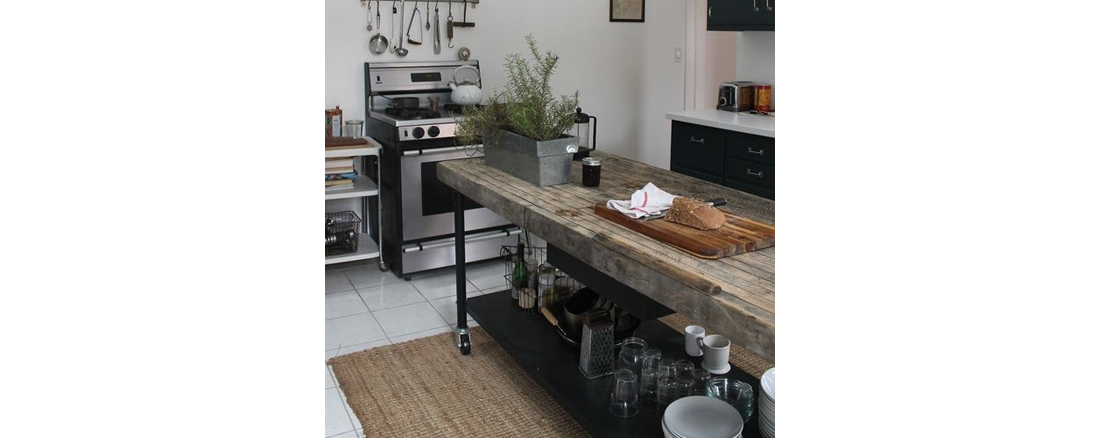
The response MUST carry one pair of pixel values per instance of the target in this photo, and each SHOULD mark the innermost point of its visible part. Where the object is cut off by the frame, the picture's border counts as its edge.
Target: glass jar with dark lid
(590, 171)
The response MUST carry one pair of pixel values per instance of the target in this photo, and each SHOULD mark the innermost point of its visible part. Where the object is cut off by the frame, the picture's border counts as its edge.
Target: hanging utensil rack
(463, 23)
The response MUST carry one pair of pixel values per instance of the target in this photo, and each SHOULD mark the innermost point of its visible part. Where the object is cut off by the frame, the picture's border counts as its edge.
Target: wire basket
(341, 233)
(546, 286)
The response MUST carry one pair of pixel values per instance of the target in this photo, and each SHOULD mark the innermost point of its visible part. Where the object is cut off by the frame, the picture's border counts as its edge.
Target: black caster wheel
(408, 278)
(464, 345)
(382, 267)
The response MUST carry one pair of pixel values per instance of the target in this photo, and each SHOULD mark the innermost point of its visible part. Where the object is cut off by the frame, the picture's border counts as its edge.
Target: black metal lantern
(586, 138)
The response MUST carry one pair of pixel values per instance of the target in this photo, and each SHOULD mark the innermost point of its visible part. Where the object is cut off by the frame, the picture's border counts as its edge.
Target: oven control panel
(425, 132)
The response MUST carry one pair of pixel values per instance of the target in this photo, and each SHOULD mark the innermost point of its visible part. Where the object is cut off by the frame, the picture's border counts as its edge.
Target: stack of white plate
(766, 404)
(700, 416)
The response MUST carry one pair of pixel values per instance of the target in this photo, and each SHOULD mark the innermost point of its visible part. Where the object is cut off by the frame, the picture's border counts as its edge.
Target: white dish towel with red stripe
(649, 200)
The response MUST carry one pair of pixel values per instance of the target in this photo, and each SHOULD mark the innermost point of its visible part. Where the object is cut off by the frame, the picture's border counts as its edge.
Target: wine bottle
(520, 278)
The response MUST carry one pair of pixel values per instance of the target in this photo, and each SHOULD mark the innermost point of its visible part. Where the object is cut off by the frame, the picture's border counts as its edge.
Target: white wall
(756, 58)
(715, 56)
(625, 72)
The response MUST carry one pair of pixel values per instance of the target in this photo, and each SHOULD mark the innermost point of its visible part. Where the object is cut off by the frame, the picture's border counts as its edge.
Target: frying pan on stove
(403, 102)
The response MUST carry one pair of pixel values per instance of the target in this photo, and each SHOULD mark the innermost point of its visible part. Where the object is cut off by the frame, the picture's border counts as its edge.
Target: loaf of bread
(695, 214)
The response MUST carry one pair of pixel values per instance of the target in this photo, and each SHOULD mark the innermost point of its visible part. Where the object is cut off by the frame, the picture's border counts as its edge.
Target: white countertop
(730, 121)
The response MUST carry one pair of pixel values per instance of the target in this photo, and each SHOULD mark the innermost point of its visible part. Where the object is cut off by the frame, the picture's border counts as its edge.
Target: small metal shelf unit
(364, 189)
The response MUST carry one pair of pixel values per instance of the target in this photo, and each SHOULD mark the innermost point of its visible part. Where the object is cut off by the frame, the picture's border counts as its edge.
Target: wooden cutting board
(738, 235)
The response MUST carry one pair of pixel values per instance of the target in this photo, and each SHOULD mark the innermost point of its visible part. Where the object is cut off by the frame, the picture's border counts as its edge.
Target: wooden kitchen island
(732, 296)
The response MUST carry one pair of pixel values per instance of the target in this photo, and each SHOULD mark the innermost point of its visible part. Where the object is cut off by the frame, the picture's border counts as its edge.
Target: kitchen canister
(763, 98)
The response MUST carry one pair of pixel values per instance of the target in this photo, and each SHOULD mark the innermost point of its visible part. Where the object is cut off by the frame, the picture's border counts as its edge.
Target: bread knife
(716, 202)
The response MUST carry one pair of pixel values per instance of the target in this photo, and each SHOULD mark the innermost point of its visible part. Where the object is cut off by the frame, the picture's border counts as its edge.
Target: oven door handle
(418, 152)
(449, 242)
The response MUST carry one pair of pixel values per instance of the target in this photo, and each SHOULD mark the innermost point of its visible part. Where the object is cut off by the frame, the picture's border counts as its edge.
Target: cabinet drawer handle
(708, 11)
(758, 174)
(754, 7)
(759, 152)
(698, 140)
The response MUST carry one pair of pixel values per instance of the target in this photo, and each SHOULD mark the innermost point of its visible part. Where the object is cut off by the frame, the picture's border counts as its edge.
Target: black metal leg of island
(462, 331)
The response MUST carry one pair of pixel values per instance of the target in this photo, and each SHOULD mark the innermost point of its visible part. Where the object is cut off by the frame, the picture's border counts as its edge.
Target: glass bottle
(520, 278)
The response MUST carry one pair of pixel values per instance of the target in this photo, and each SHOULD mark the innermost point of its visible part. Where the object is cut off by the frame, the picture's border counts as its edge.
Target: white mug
(691, 333)
(716, 353)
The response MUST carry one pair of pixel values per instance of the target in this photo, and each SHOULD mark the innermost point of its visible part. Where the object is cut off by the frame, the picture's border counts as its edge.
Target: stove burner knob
(433, 131)
(418, 132)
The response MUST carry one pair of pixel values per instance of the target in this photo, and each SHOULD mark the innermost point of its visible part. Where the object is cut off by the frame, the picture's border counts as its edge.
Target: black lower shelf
(553, 363)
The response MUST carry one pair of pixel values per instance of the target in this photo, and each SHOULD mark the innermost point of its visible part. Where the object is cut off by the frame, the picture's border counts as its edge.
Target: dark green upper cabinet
(735, 15)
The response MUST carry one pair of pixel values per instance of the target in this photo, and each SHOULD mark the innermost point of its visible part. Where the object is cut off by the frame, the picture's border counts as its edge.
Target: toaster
(736, 96)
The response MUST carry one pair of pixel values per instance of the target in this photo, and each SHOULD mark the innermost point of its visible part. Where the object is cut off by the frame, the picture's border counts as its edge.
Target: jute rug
(426, 388)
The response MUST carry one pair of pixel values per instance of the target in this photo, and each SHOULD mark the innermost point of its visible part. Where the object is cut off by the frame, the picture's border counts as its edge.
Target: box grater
(597, 345)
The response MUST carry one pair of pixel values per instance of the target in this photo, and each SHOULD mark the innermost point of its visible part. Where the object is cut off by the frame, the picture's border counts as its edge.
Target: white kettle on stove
(466, 86)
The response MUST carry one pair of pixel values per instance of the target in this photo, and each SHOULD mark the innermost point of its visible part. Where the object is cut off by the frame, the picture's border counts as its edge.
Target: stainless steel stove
(417, 213)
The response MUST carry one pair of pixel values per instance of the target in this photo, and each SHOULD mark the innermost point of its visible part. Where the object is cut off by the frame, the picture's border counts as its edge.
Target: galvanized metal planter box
(542, 163)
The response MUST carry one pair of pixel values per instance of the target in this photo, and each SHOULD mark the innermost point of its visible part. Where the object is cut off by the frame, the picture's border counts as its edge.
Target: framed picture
(628, 10)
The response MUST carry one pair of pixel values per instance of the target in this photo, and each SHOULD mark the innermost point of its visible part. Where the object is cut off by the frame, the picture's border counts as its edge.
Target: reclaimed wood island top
(732, 296)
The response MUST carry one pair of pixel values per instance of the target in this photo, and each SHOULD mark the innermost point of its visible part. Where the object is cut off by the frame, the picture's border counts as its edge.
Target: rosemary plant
(526, 106)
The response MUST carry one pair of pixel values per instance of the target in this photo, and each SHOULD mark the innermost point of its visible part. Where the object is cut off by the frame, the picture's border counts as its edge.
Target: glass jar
(353, 128)
(590, 171)
(763, 98)
(547, 291)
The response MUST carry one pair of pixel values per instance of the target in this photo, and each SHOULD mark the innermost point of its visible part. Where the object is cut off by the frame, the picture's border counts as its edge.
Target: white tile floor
(367, 308)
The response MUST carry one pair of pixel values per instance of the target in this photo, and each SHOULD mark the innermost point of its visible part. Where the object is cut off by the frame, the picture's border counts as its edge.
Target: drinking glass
(651, 359)
(699, 379)
(684, 386)
(684, 368)
(353, 128)
(735, 392)
(630, 356)
(666, 390)
(666, 368)
(624, 395)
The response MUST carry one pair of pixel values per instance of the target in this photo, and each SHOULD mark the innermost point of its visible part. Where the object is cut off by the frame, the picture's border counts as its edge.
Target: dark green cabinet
(737, 160)
(738, 15)
(702, 151)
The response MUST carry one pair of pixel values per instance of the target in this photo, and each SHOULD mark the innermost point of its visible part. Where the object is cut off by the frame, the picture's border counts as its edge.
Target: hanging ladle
(415, 14)
(401, 50)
